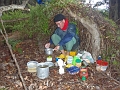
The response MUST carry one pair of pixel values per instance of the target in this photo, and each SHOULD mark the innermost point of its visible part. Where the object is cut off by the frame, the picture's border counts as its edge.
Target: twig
(13, 55)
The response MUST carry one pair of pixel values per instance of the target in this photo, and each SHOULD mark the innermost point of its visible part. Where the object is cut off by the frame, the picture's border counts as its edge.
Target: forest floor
(9, 78)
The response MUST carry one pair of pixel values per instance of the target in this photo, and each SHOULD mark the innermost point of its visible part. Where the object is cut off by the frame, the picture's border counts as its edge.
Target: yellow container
(73, 53)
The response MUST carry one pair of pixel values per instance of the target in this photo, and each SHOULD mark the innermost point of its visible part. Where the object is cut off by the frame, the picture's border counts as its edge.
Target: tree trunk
(114, 9)
(2, 3)
(93, 29)
(7, 2)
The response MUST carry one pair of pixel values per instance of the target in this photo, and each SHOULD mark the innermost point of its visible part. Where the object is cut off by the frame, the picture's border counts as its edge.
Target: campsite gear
(42, 70)
(73, 53)
(86, 60)
(73, 70)
(39, 1)
(79, 55)
(61, 65)
(49, 51)
(61, 70)
(84, 63)
(69, 59)
(99, 58)
(78, 63)
(87, 55)
(50, 64)
(31, 66)
(101, 65)
(61, 56)
(83, 78)
(74, 60)
(49, 58)
(69, 65)
(83, 74)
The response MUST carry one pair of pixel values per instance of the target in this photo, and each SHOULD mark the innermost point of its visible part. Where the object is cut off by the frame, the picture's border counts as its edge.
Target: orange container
(83, 72)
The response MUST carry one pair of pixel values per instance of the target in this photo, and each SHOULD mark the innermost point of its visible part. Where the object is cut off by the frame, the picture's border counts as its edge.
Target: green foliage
(104, 12)
(13, 16)
(3, 89)
(14, 44)
(115, 62)
(111, 22)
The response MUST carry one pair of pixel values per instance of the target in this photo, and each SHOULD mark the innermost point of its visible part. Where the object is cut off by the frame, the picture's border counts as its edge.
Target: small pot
(32, 65)
(49, 51)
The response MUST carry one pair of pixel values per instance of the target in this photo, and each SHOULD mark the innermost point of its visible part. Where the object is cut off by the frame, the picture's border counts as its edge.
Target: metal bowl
(50, 64)
(49, 51)
(32, 64)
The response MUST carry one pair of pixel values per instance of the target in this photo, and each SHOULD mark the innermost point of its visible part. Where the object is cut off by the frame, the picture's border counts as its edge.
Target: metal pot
(49, 51)
(42, 70)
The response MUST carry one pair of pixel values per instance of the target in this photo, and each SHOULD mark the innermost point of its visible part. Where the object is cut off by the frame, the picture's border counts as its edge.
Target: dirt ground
(10, 80)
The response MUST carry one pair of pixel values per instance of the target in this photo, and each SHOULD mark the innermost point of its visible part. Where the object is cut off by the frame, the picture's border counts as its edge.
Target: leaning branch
(13, 55)
(6, 8)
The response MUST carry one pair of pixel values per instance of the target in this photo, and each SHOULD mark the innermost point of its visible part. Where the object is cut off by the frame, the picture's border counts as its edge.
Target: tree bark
(2, 3)
(114, 9)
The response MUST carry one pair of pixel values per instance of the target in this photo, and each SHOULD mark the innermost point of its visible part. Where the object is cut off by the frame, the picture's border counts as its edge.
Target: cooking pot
(32, 65)
(49, 51)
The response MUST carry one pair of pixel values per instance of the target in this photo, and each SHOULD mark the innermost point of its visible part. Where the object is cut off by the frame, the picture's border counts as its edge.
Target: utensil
(42, 70)
(50, 64)
(49, 51)
(32, 65)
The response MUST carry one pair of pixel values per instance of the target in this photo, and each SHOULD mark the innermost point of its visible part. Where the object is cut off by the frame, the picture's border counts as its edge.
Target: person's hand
(57, 48)
(47, 45)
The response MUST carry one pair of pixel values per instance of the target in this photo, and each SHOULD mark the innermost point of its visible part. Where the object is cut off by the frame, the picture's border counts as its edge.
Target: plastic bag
(87, 55)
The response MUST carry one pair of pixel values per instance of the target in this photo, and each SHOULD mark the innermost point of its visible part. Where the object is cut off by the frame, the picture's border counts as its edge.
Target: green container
(78, 61)
(83, 78)
(74, 60)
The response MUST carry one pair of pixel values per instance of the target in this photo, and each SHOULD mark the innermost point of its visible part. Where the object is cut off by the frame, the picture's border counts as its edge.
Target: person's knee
(53, 36)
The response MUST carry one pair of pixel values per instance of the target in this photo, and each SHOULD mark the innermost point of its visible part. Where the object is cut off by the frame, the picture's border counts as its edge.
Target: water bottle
(99, 58)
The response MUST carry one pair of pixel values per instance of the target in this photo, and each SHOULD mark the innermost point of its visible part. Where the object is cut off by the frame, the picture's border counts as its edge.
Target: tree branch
(13, 55)
(13, 6)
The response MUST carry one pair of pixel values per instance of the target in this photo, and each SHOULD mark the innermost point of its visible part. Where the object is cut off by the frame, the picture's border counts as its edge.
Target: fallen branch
(13, 55)
(13, 6)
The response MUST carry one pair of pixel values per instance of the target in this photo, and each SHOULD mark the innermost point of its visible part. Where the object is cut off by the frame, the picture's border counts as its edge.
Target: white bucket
(42, 70)
(101, 65)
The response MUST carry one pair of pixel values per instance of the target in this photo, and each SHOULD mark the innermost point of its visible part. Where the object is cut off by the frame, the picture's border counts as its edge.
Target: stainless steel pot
(42, 70)
(49, 51)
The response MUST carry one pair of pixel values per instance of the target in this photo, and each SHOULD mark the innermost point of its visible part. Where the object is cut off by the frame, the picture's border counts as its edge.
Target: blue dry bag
(39, 1)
